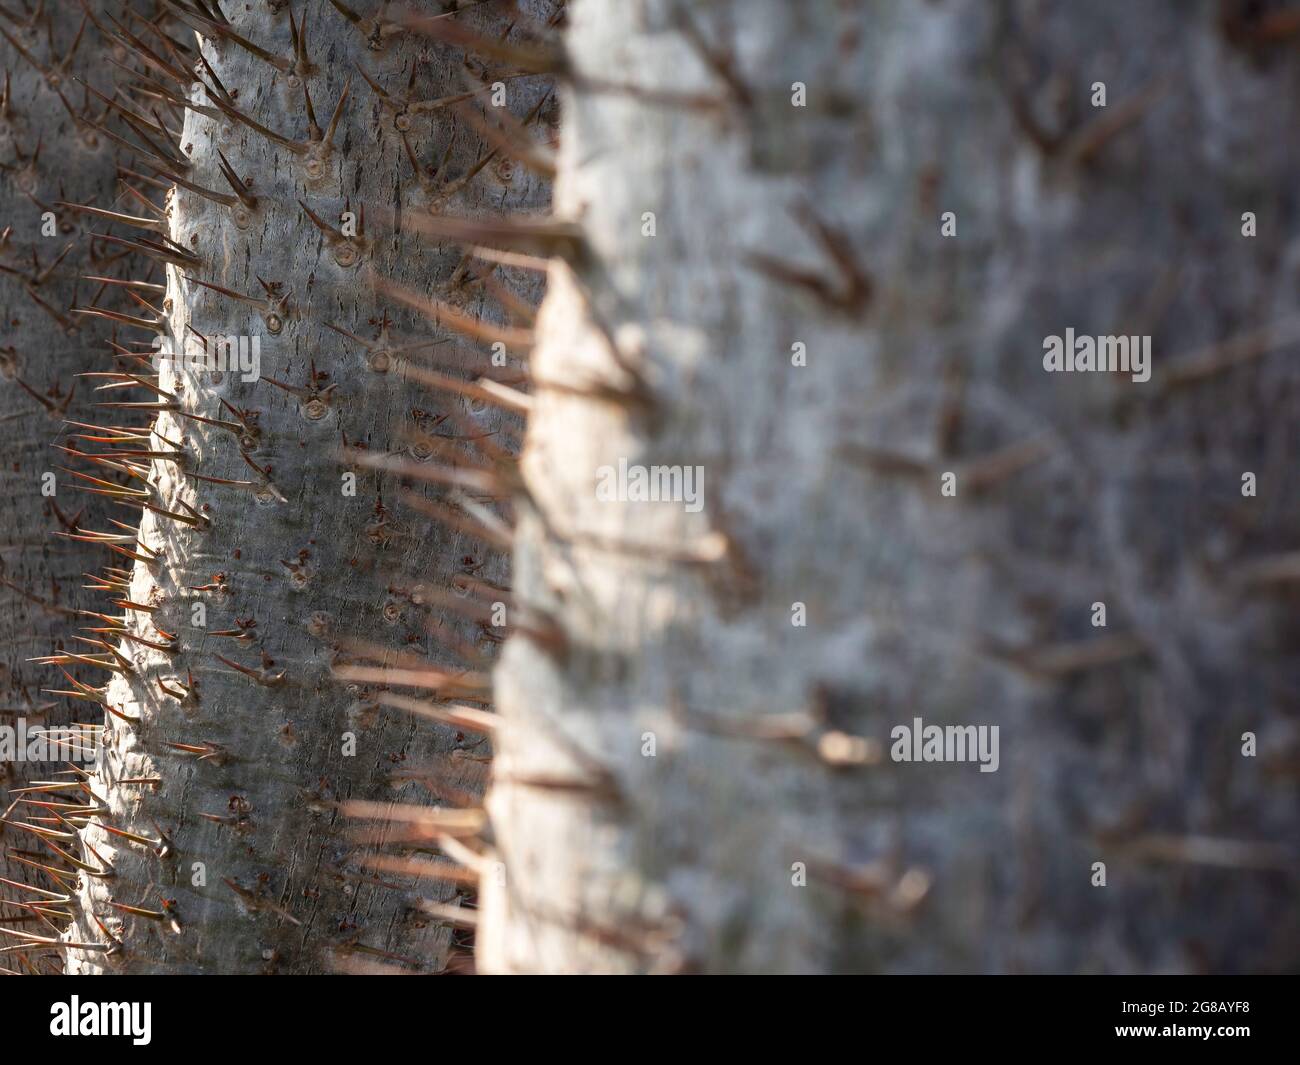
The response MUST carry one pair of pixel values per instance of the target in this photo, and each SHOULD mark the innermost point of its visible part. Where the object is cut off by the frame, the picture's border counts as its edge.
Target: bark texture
(46, 156)
(701, 784)
(249, 741)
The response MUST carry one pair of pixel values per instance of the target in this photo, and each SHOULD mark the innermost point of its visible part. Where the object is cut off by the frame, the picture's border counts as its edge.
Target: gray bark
(820, 226)
(44, 344)
(251, 769)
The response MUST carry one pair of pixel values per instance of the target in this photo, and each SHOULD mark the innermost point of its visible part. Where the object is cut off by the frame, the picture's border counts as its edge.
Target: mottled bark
(44, 344)
(770, 829)
(251, 755)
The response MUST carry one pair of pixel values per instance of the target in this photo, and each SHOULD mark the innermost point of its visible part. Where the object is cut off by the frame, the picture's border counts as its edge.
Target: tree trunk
(276, 543)
(830, 242)
(47, 156)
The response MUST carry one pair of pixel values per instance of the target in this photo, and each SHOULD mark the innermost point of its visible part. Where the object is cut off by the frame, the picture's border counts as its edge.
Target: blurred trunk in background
(827, 245)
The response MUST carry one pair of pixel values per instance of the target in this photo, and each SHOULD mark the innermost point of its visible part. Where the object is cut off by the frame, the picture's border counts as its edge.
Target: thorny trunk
(244, 743)
(47, 156)
(702, 782)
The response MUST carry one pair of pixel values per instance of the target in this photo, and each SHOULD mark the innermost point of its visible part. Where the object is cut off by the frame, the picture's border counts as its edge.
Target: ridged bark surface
(770, 829)
(291, 559)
